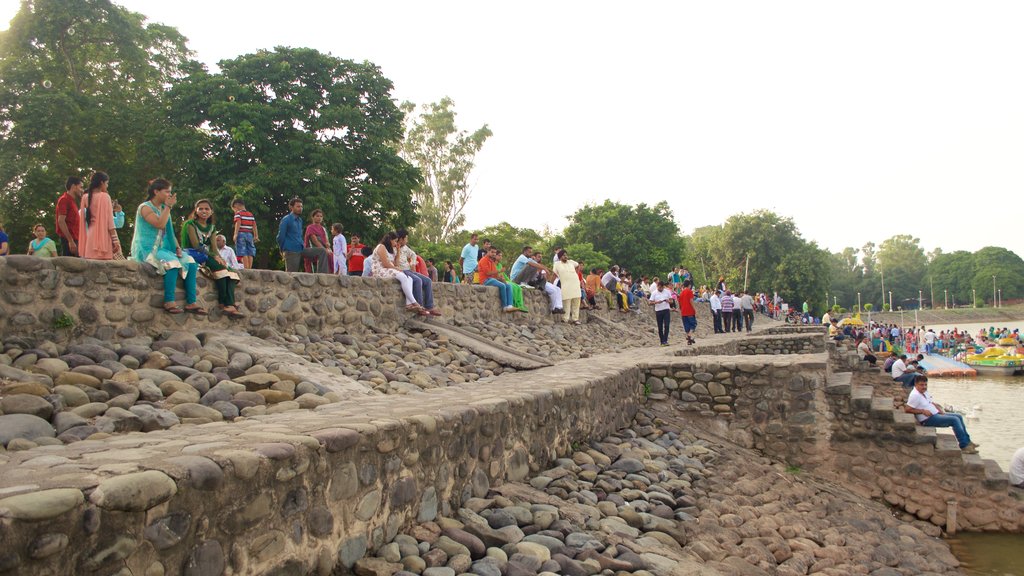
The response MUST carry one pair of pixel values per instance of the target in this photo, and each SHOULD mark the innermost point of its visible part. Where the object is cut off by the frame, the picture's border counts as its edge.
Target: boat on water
(996, 360)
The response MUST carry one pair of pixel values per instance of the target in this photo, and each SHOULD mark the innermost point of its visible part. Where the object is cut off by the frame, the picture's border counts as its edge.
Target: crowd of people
(87, 222)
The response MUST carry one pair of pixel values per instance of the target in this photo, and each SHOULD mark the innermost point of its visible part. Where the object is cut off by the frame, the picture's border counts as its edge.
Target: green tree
(644, 239)
(703, 246)
(1006, 266)
(298, 122)
(779, 258)
(902, 260)
(83, 90)
(446, 157)
(955, 272)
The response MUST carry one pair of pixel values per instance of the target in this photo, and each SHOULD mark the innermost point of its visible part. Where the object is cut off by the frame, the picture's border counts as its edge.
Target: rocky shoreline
(662, 497)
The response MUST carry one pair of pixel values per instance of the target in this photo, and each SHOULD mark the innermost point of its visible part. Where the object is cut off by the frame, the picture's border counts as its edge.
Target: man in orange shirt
(489, 275)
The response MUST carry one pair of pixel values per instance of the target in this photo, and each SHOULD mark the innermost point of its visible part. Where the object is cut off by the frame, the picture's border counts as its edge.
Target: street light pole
(945, 299)
(858, 303)
(993, 290)
(1000, 299)
(974, 298)
(890, 301)
(920, 299)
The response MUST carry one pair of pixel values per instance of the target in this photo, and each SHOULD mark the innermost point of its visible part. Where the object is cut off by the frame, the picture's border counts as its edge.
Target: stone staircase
(916, 468)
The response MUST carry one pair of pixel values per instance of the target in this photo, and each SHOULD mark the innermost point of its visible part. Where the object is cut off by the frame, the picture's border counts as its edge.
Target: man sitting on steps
(928, 413)
(902, 373)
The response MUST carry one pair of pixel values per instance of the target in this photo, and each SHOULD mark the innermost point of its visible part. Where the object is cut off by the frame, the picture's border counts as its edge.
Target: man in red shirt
(686, 310)
(67, 216)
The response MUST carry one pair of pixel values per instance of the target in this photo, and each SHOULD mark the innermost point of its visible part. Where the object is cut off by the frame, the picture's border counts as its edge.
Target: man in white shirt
(610, 281)
(928, 413)
(929, 341)
(661, 298)
(227, 253)
(716, 310)
(1017, 468)
(902, 373)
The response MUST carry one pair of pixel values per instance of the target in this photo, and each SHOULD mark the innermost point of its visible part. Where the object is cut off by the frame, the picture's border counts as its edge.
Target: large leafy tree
(902, 260)
(644, 239)
(83, 89)
(298, 122)
(954, 272)
(446, 157)
(1006, 266)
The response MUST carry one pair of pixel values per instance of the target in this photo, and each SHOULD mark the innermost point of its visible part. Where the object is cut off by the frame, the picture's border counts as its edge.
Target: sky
(858, 120)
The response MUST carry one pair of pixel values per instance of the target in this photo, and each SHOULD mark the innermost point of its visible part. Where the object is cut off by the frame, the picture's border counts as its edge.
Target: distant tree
(955, 272)
(703, 248)
(903, 262)
(298, 122)
(1006, 266)
(446, 157)
(82, 90)
(644, 239)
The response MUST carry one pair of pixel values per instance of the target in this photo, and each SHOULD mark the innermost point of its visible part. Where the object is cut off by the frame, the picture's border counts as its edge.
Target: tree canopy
(643, 238)
(83, 90)
(298, 122)
(446, 157)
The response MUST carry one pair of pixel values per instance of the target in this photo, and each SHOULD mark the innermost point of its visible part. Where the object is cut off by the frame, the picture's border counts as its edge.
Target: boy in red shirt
(686, 310)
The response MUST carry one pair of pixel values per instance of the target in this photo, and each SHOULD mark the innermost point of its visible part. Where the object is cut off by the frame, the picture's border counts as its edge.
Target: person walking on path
(687, 312)
(715, 302)
(928, 413)
(661, 298)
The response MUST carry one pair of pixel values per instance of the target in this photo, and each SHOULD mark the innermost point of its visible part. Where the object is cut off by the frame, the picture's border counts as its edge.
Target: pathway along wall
(106, 299)
(300, 492)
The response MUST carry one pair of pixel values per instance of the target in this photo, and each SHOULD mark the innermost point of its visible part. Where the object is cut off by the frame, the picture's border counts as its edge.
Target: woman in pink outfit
(97, 235)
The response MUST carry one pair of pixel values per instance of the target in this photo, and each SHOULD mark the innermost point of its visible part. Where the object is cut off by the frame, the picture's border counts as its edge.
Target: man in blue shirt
(468, 259)
(289, 239)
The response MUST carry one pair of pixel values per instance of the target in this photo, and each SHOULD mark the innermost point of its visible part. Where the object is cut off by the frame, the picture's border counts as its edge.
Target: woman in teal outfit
(154, 243)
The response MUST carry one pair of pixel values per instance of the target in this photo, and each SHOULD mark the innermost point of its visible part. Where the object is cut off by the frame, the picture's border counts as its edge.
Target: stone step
(925, 435)
(839, 383)
(973, 465)
(995, 477)
(904, 421)
(881, 409)
(860, 397)
(947, 446)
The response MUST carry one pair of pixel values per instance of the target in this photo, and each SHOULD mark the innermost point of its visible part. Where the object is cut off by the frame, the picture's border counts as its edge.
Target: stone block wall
(295, 493)
(800, 344)
(108, 299)
(772, 404)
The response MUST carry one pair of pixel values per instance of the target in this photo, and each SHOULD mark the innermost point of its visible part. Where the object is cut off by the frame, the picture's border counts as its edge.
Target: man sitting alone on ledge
(928, 413)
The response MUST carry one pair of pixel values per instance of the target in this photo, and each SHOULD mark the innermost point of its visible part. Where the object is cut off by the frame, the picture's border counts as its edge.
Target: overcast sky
(859, 120)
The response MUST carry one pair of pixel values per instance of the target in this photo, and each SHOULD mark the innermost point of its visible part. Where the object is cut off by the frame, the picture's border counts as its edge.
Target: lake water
(991, 405)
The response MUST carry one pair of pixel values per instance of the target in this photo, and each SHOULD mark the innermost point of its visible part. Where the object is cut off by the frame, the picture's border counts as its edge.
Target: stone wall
(110, 299)
(296, 493)
(771, 404)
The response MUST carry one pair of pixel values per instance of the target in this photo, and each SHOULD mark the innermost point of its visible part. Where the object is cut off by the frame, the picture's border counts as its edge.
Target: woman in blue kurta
(154, 243)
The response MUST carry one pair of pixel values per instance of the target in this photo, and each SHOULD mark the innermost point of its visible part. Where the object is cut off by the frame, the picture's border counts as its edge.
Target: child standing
(245, 235)
(340, 246)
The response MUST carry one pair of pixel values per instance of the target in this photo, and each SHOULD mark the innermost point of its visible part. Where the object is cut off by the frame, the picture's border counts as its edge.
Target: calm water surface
(991, 405)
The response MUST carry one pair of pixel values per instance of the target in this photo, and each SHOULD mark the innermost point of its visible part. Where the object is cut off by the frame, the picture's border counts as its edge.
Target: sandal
(197, 310)
(423, 312)
(173, 309)
(232, 312)
(413, 307)
(434, 312)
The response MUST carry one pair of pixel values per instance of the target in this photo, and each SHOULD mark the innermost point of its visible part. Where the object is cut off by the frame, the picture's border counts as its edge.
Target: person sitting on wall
(865, 351)
(928, 413)
(903, 373)
(488, 275)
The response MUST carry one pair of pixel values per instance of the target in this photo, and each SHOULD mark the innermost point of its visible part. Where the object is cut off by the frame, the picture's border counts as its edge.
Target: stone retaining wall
(107, 299)
(295, 493)
(769, 403)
